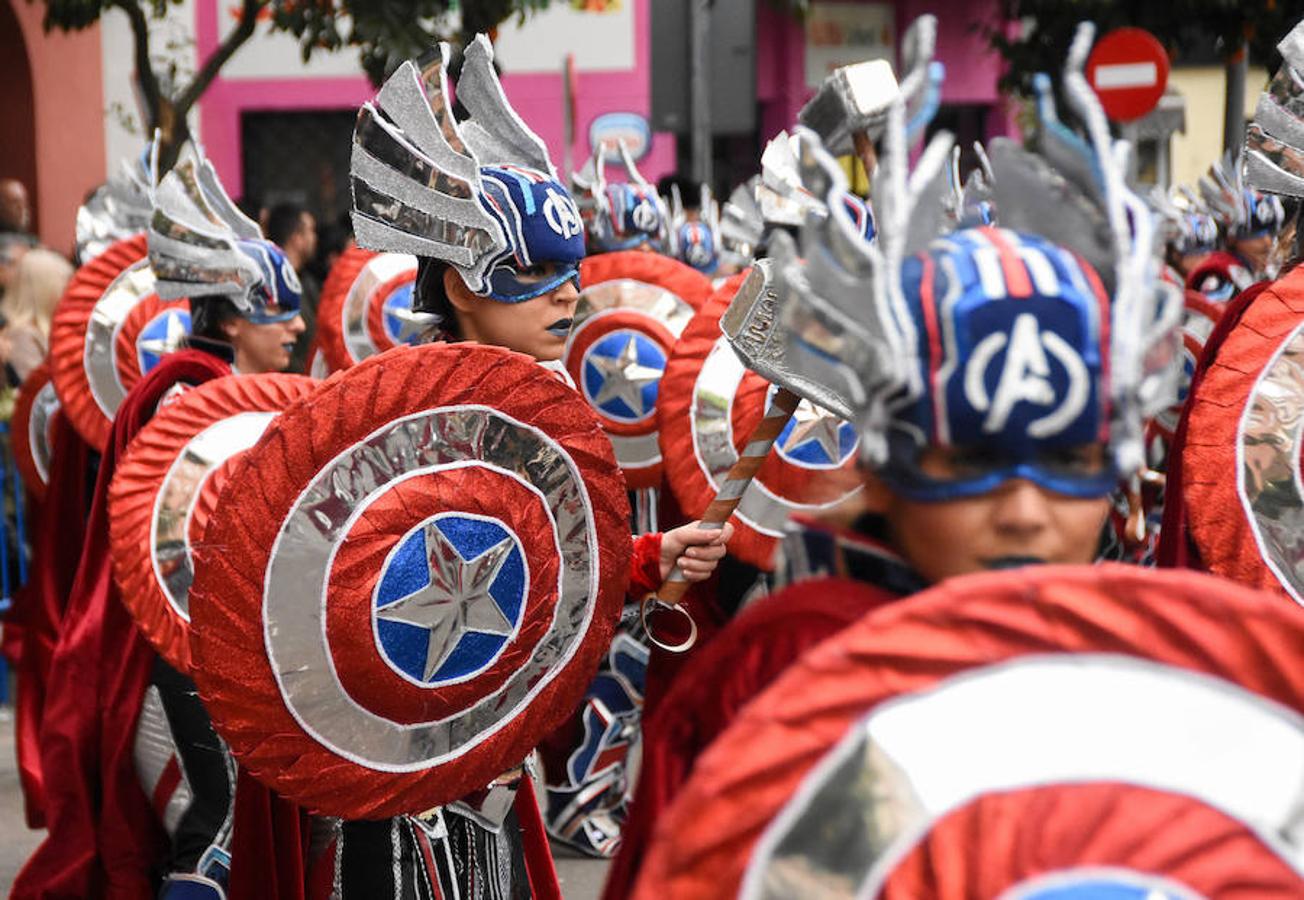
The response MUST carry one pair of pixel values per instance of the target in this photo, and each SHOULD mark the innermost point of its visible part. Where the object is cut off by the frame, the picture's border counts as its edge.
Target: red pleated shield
(1241, 459)
(164, 489)
(410, 580)
(34, 413)
(1056, 733)
(366, 306)
(709, 406)
(633, 308)
(84, 331)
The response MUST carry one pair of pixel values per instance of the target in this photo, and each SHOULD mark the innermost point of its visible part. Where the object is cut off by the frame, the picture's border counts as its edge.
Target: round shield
(366, 306)
(33, 437)
(163, 490)
(1241, 461)
(151, 330)
(84, 335)
(397, 599)
(709, 406)
(1013, 735)
(633, 308)
(1199, 318)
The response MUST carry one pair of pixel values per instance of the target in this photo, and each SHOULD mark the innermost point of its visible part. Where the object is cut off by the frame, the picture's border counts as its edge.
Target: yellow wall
(1204, 88)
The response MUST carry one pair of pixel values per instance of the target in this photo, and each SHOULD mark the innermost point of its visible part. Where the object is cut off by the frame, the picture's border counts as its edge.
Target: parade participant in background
(695, 235)
(105, 836)
(619, 216)
(1233, 488)
(1002, 378)
(499, 242)
(1249, 220)
(1190, 233)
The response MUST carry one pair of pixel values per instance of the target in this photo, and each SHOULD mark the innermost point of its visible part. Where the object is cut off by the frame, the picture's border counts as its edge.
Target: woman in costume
(1002, 376)
(105, 837)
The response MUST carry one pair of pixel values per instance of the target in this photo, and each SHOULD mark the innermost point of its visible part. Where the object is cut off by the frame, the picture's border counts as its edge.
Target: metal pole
(699, 23)
(1234, 109)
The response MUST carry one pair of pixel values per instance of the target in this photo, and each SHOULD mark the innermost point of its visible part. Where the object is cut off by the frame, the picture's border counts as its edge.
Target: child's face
(1018, 523)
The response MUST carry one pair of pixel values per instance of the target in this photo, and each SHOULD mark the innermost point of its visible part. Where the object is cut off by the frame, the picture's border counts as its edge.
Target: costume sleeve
(645, 565)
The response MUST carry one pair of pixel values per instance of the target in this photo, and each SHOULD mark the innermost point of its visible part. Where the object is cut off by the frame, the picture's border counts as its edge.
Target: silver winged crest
(119, 208)
(416, 170)
(193, 237)
(1274, 143)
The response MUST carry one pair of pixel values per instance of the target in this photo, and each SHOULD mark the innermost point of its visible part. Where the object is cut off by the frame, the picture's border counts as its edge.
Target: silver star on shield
(456, 600)
(624, 377)
(173, 337)
(411, 324)
(812, 424)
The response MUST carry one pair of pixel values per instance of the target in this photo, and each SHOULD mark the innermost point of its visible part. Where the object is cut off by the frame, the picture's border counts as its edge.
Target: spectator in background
(13, 244)
(38, 283)
(15, 209)
(294, 229)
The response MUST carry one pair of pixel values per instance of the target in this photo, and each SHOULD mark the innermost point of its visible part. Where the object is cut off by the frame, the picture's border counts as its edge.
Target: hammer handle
(762, 438)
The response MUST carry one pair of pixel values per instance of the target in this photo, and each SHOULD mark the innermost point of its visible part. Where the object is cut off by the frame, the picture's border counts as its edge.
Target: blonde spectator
(38, 282)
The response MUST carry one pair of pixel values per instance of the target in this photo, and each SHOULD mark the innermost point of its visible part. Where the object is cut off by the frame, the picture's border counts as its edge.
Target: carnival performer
(1249, 221)
(620, 215)
(1232, 492)
(99, 730)
(695, 234)
(1002, 379)
(499, 241)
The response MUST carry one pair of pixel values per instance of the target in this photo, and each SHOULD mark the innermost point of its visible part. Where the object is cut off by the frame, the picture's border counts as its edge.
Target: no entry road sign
(1128, 69)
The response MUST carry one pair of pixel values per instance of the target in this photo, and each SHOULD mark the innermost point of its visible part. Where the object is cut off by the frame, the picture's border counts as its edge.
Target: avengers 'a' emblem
(621, 374)
(450, 597)
(562, 215)
(165, 333)
(1099, 884)
(1025, 376)
(816, 439)
(402, 325)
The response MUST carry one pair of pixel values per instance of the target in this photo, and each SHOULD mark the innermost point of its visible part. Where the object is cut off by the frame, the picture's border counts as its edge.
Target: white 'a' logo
(1025, 378)
(562, 215)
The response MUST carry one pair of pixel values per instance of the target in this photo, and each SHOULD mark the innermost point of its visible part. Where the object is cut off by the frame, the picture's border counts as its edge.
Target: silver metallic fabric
(1274, 143)
(1035, 722)
(100, 358)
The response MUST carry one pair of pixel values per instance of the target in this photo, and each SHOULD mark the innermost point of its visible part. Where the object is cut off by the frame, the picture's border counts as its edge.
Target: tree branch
(145, 76)
(243, 31)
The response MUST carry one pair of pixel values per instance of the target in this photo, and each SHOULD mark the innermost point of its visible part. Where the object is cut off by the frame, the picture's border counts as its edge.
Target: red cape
(104, 836)
(739, 663)
(1175, 548)
(58, 527)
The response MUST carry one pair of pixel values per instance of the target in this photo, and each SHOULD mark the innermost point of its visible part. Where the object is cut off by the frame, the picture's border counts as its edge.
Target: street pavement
(581, 879)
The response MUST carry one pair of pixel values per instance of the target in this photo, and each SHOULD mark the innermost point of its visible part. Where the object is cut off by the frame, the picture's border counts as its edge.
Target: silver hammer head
(852, 99)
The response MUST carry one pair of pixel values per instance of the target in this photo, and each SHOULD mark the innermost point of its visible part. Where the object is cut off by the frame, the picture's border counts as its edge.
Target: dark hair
(432, 298)
(283, 221)
(208, 314)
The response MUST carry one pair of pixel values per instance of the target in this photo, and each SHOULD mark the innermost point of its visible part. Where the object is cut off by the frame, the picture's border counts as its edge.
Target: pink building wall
(538, 98)
(67, 88)
(972, 68)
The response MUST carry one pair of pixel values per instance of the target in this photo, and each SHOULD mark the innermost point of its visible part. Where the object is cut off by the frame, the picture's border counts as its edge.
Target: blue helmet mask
(1012, 333)
(276, 295)
(697, 246)
(544, 233)
(631, 217)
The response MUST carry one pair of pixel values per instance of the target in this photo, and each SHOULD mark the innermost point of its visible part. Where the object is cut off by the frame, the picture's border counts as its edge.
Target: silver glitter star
(174, 336)
(810, 423)
(624, 377)
(411, 324)
(456, 600)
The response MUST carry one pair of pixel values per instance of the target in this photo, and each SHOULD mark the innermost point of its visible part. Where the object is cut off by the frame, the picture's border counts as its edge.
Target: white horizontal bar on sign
(1126, 75)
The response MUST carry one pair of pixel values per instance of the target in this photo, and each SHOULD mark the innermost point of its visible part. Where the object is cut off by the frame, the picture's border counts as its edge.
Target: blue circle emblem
(622, 372)
(1101, 885)
(450, 597)
(400, 326)
(161, 335)
(815, 439)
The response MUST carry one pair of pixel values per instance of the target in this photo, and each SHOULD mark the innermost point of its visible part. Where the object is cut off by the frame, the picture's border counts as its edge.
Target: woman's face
(262, 347)
(536, 327)
(1019, 523)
